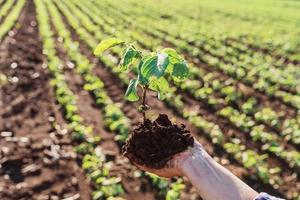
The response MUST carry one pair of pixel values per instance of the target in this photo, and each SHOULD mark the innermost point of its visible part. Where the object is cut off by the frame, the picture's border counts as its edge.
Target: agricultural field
(64, 118)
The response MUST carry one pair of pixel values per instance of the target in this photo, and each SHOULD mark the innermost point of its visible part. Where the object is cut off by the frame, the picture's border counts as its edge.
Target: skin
(211, 180)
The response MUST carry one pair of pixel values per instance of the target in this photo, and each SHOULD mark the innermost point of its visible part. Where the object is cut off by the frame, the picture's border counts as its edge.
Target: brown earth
(153, 144)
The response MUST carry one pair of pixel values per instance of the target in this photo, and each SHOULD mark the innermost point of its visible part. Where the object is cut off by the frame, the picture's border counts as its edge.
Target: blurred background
(64, 119)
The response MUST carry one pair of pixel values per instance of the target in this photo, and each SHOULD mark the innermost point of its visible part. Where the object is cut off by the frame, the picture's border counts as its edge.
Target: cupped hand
(174, 165)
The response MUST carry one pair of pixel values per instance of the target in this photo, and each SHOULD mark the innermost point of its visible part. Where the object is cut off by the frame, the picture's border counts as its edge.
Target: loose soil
(153, 144)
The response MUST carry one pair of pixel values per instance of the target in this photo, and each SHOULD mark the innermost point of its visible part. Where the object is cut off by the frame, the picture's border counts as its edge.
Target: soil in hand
(153, 144)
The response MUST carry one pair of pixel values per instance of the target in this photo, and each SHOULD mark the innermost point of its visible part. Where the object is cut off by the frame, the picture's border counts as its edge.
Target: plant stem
(144, 102)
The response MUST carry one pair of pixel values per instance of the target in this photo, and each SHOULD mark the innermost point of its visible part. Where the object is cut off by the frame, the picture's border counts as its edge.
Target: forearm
(214, 181)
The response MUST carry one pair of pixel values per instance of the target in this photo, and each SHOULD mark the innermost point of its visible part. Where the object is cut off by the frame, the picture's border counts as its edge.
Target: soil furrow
(37, 158)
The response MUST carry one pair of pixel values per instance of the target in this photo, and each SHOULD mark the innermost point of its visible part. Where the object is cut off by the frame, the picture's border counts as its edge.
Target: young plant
(153, 70)
(3, 80)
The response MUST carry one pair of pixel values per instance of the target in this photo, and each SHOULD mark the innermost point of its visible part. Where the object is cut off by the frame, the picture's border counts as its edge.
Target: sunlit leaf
(162, 62)
(160, 85)
(128, 57)
(174, 57)
(180, 71)
(154, 65)
(106, 44)
(131, 92)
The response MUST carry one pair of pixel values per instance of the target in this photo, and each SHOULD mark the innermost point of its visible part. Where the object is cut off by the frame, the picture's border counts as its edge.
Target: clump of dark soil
(153, 144)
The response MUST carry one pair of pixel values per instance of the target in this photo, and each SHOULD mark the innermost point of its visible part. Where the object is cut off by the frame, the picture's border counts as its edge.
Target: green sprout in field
(154, 69)
(3, 80)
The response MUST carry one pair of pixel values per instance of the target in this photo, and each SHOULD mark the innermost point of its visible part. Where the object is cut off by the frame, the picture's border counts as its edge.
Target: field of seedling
(229, 70)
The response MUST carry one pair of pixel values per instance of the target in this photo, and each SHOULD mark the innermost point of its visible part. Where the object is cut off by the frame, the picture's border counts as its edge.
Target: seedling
(3, 80)
(152, 143)
(154, 70)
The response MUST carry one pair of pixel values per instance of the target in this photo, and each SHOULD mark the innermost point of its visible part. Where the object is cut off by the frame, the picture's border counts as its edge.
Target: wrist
(212, 180)
(193, 159)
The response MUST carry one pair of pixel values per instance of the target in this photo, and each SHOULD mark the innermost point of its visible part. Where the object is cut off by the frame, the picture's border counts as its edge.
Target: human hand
(211, 180)
(175, 165)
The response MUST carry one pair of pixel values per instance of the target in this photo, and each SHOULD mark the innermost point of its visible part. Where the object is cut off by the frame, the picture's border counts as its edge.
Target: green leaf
(180, 71)
(142, 80)
(3, 80)
(131, 92)
(145, 58)
(106, 44)
(162, 61)
(128, 57)
(149, 68)
(160, 85)
(98, 194)
(174, 57)
(154, 65)
(172, 195)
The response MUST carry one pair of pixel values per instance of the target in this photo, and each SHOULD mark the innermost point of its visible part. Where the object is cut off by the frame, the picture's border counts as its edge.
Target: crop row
(211, 47)
(280, 46)
(93, 160)
(280, 51)
(232, 93)
(5, 8)
(271, 141)
(11, 17)
(220, 57)
(88, 39)
(259, 26)
(201, 36)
